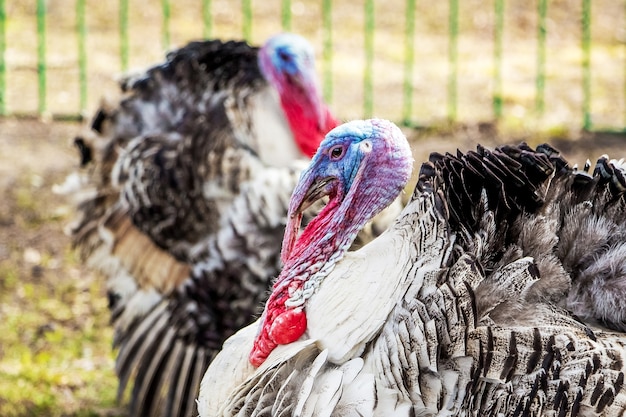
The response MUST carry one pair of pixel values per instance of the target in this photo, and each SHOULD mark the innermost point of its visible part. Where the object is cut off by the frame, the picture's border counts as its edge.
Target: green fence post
(246, 6)
(207, 22)
(166, 24)
(497, 59)
(452, 58)
(286, 15)
(541, 57)
(586, 64)
(409, 48)
(368, 84)
(327, 50)
(124, 34)
(82, 54)
(3, 17)
(41, 54)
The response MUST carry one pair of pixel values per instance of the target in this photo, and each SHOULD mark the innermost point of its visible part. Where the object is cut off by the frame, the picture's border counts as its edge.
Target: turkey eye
(284, 56)
(336, 152)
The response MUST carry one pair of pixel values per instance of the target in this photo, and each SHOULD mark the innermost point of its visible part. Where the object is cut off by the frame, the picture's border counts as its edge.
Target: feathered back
(193, 107)
(506, 181)
(193, 79)
(550, 239)
(570, 221)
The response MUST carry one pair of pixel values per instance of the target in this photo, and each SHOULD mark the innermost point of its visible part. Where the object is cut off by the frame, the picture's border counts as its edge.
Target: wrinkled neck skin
(329, 235)
(323, 242)
(308, 117)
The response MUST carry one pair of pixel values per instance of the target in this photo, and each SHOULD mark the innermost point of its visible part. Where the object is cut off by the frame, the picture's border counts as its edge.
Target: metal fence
(541, 63)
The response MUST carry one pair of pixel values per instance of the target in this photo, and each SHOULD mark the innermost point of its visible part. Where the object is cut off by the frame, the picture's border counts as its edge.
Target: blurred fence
(538, 63)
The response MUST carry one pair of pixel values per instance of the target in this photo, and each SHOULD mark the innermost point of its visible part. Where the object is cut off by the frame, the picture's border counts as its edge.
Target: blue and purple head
(363, 164)
(287, 61)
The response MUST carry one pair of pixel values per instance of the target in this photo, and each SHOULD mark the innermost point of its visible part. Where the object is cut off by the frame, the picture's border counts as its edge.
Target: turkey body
(182, 202)
(463, 306)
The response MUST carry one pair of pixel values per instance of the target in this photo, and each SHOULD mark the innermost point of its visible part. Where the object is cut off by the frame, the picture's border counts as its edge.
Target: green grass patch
(55, 341)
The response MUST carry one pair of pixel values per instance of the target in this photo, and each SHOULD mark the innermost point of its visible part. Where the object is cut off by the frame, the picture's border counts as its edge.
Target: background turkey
(182, 203)
(460, 308)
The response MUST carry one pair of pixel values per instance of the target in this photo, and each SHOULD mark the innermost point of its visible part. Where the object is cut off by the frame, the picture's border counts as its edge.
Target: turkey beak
(319, 188)
(303, 197)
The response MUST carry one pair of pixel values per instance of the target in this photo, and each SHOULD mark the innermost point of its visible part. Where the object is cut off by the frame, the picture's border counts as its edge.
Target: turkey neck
(308, 117)
(323, 242)
(309, 260)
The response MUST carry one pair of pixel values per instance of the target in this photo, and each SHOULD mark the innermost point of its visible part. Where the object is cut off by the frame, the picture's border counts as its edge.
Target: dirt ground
(55, 342)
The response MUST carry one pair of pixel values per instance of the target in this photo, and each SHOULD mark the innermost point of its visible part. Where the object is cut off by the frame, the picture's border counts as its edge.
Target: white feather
(275, 140)
(357, 297)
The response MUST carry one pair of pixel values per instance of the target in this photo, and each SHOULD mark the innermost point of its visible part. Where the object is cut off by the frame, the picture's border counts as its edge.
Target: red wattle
(263, 346)
(288, 326)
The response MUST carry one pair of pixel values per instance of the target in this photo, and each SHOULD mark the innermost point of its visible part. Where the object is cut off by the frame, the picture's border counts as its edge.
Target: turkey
(237, 107)
(183, 201)
(462, 307)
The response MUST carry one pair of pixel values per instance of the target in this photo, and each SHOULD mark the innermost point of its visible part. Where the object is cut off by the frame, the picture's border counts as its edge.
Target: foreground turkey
(463, 307)
(182, 203)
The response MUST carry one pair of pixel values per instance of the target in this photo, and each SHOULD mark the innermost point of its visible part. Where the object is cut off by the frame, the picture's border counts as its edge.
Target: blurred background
(453, 73)
(531, 64)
